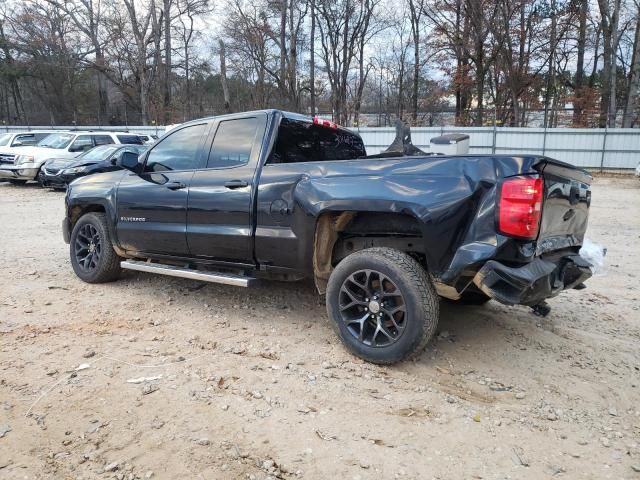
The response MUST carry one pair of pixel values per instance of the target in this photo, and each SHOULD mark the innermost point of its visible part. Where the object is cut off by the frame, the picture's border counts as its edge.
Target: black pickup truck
(269, 194)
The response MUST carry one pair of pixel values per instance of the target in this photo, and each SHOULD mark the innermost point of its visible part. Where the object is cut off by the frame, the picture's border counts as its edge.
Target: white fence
(584, 147)
(617, 148)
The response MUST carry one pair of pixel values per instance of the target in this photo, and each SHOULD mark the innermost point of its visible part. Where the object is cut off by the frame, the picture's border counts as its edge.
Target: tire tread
(110, 264)
(428, 298)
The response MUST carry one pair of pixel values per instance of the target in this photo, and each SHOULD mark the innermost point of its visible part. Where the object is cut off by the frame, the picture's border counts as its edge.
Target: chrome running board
(183, 272)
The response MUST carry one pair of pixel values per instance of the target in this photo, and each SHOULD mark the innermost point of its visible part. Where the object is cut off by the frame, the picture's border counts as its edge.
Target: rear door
(152, 206)
(80, 144)
(221, 195)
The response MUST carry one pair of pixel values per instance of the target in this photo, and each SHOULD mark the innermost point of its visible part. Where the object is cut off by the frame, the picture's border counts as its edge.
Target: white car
(11, 140)
(22, 164)
(638, 170)
(148, 139)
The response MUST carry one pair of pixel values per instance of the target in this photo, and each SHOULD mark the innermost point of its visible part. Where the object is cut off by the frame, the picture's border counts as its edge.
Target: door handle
(235, 184)
(175, 185)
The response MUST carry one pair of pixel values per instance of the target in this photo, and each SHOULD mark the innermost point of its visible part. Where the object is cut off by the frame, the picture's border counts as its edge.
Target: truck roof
(269, 111)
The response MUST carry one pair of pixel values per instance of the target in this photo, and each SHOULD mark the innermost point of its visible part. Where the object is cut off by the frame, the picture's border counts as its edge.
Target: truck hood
(98, 182)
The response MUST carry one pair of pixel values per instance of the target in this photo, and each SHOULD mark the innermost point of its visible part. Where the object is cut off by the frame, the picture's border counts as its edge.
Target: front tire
(14, 181)
(92, 255)
(382, 304)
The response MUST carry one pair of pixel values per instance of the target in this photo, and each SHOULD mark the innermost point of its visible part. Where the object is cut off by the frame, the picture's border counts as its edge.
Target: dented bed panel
(452, 198)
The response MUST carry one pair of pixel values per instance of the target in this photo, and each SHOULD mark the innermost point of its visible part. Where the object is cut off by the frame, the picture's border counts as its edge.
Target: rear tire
(14, 181)
(382, 304)
(92, 255)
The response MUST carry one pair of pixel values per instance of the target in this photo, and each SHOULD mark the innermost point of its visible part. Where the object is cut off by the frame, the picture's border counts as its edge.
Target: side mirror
(129, 160)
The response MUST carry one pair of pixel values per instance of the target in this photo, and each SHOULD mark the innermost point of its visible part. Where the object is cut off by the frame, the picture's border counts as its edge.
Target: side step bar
(173, 271)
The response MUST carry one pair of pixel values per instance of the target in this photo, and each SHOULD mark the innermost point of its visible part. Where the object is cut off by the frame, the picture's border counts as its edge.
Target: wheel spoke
(381, 329)
(88, 247)
(392, 311)
(360, 321)
(354, 300)
(372, 308)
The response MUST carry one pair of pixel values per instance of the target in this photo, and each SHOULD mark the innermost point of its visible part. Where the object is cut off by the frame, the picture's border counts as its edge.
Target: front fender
(94, 193)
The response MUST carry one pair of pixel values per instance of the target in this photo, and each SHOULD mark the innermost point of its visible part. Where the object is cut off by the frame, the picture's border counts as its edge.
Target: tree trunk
(551, 75)
(480, 76)
(283, 49)
(103, 99)
(415, 30)
(223, 78)
(312, 60)
(579, 84)
(631, 107)
(293, 62)
(167, 63)
(609, 12)
(187, 81)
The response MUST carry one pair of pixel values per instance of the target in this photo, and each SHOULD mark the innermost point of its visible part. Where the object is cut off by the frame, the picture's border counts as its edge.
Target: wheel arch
(339, 233)
(77, 210)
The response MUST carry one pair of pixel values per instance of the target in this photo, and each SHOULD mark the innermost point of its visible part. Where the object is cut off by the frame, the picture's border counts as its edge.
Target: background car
(148, 139)
(11, 140)
(27, 161)
(59, 172)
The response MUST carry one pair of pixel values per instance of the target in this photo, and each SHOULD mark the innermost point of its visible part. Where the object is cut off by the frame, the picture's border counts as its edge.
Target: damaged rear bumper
(532, 283)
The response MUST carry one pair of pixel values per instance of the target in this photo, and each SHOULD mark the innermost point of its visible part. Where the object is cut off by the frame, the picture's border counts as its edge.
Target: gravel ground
(157, 377)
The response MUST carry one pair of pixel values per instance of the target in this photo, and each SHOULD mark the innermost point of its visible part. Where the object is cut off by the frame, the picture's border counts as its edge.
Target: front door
(152, 206)
(220, 207)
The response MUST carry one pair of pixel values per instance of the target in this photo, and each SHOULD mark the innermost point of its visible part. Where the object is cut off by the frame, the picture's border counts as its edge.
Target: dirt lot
(254, 383)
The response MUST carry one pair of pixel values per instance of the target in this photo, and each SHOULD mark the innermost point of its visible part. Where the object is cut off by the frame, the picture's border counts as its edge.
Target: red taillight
(324, 123)
(520, 206)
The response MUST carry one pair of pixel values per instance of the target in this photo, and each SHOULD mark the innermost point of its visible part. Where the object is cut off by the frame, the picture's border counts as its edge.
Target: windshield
(4, 139)
(56, 140)
(99, 153)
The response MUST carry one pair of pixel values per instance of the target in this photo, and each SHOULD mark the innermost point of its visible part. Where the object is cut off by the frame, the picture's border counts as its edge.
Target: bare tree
(609, 16)
(342, 25)
(223, 77)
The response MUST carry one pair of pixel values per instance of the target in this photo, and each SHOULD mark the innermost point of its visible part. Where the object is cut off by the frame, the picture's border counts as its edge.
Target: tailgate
(565, 210)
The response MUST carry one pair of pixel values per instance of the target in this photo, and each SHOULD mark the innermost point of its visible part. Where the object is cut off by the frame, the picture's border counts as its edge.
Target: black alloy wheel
(382, 304)
(372, 308)
(93, 257)
(88, 248)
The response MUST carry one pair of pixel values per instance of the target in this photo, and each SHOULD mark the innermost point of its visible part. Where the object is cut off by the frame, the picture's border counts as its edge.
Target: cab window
(177, 151)
(25, 139)
(233, 143)
(82, 143)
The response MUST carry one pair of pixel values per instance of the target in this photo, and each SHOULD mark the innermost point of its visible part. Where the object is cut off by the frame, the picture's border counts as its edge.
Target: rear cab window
(301, 141)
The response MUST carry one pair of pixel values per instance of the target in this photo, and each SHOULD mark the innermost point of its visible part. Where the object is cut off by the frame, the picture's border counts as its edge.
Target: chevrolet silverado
(276, 195)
